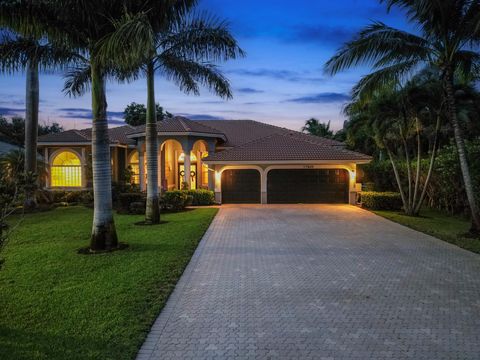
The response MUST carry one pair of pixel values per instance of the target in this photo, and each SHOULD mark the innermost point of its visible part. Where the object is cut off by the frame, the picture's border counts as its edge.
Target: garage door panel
(309, 186)
(241, 187)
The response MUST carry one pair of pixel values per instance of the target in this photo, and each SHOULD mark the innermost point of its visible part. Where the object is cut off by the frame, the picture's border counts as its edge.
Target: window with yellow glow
(135, 168)
(66, 170)
(181, 158)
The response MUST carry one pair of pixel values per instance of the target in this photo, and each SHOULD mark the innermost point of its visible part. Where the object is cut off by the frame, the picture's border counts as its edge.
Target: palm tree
(182, 46)
(316, 128)
(449, 33)
(82, 24)
(29, 53)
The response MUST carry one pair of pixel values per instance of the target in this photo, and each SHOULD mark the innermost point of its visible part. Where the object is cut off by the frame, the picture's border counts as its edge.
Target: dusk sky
(281, 80)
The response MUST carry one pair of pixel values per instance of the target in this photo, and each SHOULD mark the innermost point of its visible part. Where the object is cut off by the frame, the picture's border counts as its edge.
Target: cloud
(322, 98)
(200, 116)
(85, 113)
(287, 75)
(8, 111)
(320, 34)
(248, 90)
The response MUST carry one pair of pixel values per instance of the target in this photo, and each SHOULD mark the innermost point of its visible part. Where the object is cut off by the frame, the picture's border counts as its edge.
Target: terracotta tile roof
(116, 134)
(239, 132)
(245, 140)
(179, 124)
(286, 147)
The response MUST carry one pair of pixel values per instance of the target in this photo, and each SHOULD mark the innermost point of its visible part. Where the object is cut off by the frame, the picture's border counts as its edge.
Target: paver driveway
(322, 282)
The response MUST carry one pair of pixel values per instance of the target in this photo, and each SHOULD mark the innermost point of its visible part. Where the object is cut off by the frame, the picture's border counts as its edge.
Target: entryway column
(141, 165)
(352, 193)
(211, 178)
(187, 148)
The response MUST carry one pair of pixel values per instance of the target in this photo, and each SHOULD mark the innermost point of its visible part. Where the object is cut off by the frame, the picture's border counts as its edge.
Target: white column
(352, 172)
(186, 164)
(211, 178)
(141, 167)
(84, 167)
(199, 170)
(47, 167)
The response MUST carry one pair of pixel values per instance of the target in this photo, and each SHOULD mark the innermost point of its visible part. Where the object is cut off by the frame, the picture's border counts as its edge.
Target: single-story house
(243, 161)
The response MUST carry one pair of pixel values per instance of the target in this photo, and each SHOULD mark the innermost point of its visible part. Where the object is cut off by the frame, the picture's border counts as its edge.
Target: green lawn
(438, 224)
(57, 304)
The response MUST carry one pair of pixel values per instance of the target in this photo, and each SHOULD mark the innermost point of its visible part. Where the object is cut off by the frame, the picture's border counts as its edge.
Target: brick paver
(320, 282)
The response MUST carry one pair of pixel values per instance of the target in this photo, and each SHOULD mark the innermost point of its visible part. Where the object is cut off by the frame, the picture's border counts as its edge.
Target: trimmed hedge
(381, 200)
(201, 197)
(174, 200)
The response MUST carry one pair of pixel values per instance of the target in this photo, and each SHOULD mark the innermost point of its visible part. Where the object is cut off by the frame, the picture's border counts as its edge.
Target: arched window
(134, 164)
(66, 170)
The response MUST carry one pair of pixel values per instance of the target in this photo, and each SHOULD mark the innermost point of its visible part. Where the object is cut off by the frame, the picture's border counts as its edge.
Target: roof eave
(301, 162)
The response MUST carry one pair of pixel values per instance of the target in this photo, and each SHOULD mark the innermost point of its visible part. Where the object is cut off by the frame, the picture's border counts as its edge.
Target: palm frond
(189, 75)
(379, 45)
(201, 37)
(131, 44)
(77, 81)
(390, 76)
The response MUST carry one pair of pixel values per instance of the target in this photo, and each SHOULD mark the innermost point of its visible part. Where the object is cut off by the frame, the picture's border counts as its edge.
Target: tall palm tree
(449, 34)
(183, 47)
(82, 24)
(28, 52)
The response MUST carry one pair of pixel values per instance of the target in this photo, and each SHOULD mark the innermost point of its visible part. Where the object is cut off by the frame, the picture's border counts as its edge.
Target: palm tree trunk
(31, 129)
(462, 154)
(104, 235)
(408, 205)
(397, 178)
(417, 177)
(152, 211)
(430, 168)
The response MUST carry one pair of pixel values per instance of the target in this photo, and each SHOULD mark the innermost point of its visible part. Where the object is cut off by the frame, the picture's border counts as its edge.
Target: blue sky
(279, 82)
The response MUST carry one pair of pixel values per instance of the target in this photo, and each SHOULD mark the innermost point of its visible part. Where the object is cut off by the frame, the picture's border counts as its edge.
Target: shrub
(174, 200)
(125, 200)
(201, 197)
(381, 200)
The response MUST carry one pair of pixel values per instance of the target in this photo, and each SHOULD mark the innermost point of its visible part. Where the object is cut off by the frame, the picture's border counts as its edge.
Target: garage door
(241, 187)
(307, 186)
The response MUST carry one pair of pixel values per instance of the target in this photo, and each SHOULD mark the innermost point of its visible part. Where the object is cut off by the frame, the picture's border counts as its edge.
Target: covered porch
(180, 163)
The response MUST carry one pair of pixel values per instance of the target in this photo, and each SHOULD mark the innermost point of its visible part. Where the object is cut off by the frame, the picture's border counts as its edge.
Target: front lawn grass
(438, 224)
(57, 304)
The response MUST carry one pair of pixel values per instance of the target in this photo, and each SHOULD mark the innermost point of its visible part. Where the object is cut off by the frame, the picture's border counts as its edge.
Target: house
(243, 161)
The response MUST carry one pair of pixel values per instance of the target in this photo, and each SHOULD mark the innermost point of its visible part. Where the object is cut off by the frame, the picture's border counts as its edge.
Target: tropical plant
(82, 25)
(166, 37)
(399, 118)
(136, 114)
(26, 49)
(317, 128)
(449, 35)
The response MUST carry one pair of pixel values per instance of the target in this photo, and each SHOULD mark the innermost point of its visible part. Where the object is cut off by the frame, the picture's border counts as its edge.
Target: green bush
(381, 200)
(174, 200)
(201, 197)
(125, 200)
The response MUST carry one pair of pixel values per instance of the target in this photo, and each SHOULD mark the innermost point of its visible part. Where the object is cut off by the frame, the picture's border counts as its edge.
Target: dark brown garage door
(307, 186)
(241, 187)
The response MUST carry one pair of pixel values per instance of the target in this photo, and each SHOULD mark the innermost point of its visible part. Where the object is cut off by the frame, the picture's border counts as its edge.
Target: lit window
(66, 170)
(135, 168)
(181, 158)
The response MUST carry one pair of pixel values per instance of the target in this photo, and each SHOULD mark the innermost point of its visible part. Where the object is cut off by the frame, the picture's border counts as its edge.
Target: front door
(193, 175)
